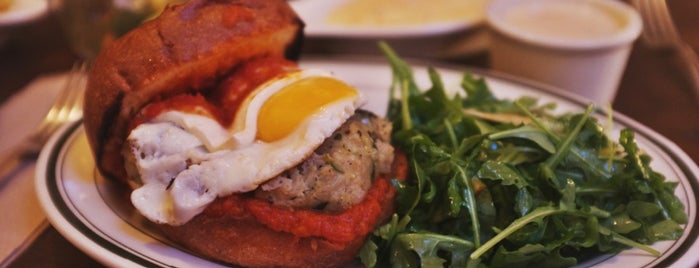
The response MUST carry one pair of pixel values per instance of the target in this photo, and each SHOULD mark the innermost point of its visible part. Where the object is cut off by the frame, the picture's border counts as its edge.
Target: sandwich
(235, 152)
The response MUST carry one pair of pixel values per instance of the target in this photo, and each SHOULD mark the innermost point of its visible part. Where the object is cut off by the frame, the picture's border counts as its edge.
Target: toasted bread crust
(188, 47)
(250, 244)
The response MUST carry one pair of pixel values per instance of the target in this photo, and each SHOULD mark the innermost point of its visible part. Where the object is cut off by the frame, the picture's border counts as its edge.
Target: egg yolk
(286, 109)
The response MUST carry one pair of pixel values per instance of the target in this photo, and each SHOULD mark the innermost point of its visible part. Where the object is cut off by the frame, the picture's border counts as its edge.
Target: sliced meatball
(340, 172)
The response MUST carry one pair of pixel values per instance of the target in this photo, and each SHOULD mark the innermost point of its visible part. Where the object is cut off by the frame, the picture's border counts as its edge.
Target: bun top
(189, 47)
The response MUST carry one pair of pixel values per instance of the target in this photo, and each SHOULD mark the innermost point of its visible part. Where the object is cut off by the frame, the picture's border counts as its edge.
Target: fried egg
(185, 161)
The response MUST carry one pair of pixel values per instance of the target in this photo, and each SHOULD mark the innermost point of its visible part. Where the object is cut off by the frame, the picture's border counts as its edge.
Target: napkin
(23, 218)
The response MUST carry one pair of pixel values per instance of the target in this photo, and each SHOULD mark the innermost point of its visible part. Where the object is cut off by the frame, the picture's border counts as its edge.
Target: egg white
(185, 160)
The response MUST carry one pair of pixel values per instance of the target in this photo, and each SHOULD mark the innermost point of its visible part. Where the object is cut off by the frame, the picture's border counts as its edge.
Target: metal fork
(659, 31)
(66, 108)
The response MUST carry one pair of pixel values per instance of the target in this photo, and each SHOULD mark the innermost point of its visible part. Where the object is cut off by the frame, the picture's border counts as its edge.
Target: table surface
(653, 91)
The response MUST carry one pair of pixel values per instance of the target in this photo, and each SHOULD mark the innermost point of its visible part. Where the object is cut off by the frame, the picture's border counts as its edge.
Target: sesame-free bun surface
(188, 47)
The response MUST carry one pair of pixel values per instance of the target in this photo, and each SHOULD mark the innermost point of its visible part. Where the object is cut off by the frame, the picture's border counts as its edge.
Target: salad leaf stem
(563, 148)
(450, 132)
(628, 242)
(407, 121)
(550, 164)
(517, 224)
(535, 120)
(470, 199)
(554, 138)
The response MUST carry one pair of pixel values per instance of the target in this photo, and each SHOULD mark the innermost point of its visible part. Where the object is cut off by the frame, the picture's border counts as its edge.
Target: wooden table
(653, 92)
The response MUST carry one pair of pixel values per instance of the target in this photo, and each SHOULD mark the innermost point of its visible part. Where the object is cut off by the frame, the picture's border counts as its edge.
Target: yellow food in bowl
(405, 12)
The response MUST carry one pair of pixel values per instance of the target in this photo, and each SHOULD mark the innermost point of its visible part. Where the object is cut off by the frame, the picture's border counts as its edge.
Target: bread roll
(194, 47)
(188, 47)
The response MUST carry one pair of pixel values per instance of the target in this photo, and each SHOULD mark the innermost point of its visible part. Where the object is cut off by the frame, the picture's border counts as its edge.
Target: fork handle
(690, 62)
(12, 161)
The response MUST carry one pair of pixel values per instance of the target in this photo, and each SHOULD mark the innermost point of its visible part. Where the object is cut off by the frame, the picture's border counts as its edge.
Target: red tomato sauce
(346, 226)
(246, 78)
(223, 101)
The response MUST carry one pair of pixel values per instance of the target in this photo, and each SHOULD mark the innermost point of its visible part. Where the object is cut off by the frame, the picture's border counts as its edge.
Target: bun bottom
(248, 243)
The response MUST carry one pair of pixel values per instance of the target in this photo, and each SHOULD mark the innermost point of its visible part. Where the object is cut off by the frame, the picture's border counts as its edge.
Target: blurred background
(653, 89)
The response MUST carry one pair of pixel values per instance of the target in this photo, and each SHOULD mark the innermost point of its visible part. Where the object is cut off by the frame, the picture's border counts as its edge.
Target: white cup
(577, 45)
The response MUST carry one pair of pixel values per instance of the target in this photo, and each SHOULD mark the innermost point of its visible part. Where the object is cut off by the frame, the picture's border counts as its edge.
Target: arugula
(498, 183)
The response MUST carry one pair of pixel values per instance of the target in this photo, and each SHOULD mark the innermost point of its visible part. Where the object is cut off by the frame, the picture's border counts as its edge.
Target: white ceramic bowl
(577, 45)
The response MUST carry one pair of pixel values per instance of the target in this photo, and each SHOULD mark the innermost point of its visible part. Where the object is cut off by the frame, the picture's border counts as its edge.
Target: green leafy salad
(504, 183)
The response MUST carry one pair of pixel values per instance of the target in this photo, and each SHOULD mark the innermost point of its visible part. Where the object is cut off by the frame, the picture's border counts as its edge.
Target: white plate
(91, 213)
(315, 14)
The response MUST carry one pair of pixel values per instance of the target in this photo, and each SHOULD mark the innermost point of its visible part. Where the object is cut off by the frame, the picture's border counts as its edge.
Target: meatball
(340, 172)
